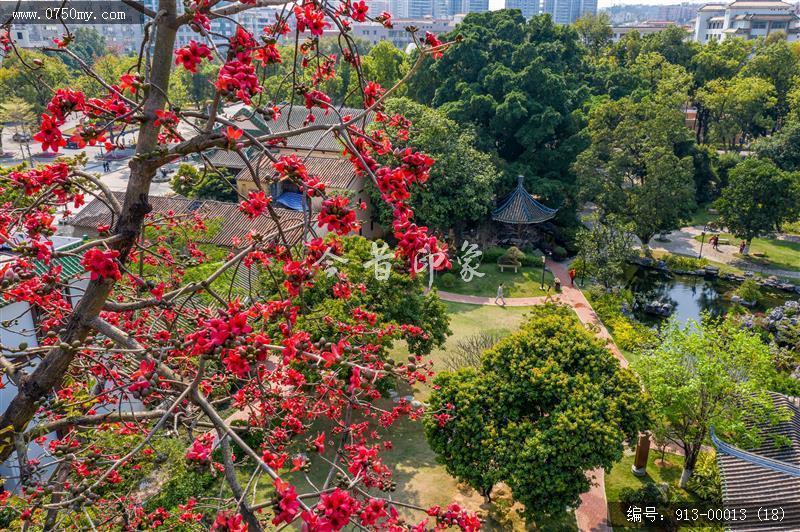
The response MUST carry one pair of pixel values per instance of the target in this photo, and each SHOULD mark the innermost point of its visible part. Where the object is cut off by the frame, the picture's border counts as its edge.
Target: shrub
(647, 494)
(631, 335)
(559, 252)
(493, 254)
(706, 482)
(628, 334)
(532, 259)
(512, 256)
(682, 262)
(448, 280)
(749, 291)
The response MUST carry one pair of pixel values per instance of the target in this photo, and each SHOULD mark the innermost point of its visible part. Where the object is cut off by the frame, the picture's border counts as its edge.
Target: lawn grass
(465, 320)
(780, 254)
(525, 283)
(621, 476)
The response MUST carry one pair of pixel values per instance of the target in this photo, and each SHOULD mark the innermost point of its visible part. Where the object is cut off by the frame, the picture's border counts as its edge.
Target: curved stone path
(592, 514)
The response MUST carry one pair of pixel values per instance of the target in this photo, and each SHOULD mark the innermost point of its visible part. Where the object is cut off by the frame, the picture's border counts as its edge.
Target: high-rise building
(568, 11)
(476, 6)
(529, 8)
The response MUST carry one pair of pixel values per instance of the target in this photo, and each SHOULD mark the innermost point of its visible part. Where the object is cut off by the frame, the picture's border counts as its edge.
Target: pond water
(690, 295)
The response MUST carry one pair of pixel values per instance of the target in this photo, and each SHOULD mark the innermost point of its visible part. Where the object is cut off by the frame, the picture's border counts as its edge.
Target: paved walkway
(682, 242)
(592, 514)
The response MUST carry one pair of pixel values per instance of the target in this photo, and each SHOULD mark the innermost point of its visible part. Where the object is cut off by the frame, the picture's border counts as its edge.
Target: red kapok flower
(49, 134)
(192, 55)
(337, 216)
(101, 264)
(336, 507)
(288, 506)
(255, 204)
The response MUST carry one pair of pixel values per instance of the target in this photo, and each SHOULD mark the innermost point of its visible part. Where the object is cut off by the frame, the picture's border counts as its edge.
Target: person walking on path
(500, 296)
(572, 274)
(549, 295)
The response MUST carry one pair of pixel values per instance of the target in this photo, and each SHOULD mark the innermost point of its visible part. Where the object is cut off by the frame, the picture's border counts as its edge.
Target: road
(116, 179)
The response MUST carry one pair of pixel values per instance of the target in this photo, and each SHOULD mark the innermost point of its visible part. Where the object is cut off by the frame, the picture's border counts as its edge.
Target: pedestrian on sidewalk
(741, 247)
(500, 295)
(572, 274)
(549, 295)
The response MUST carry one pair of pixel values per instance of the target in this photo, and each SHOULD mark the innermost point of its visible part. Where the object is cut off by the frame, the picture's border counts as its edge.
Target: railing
(769, 463)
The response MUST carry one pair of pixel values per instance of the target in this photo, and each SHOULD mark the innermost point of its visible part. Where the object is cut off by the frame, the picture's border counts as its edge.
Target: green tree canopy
(759, 197)
(741, 107)
(638, 164)
(400, 298)
(605, 248)
(203, 183)
(545, 405)
(783, 147)
(777, 63)
(460, 191)
(88, 45)
(704, 375)
(672, 43)
(595, 32)
(518, 83)
(34, 85)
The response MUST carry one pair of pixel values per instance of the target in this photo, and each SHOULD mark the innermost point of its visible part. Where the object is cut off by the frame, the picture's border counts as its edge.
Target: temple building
(746, 19)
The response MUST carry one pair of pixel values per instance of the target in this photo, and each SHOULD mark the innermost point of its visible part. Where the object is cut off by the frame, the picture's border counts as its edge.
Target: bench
(504, 266)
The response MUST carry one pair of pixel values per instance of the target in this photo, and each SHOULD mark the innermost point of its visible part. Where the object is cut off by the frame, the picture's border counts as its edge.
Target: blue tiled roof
(291, 200)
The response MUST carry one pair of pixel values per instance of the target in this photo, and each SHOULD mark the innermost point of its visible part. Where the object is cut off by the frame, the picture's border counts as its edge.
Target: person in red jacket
(572, 274)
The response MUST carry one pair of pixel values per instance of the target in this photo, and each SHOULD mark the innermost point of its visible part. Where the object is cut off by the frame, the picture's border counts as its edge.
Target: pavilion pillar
(639, 467)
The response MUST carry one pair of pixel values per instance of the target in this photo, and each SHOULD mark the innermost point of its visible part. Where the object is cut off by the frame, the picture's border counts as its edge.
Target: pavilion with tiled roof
(520, 208)
(767, 476)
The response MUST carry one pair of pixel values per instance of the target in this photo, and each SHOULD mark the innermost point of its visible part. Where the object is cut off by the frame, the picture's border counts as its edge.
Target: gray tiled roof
(335, 172)
(234, 223)
(293, 118)
(519, 207)
(750, 485)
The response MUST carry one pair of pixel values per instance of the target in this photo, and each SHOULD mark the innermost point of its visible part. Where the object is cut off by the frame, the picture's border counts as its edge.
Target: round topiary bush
(513, 256)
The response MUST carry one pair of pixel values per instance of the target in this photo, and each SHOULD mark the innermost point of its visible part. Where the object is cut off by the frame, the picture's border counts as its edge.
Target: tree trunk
(55, 364)
(689, 462)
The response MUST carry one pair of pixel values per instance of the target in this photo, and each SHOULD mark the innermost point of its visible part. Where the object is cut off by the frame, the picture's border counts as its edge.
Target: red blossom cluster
(102, 264)
(191, 55)
(337, 216)
(310, 18)
(256, 203)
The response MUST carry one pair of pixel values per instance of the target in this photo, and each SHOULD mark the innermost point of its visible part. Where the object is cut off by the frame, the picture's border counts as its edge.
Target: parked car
(21, 137)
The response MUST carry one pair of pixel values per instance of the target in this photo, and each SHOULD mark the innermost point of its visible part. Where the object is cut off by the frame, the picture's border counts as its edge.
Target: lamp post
(544, 263)
(702, 241)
